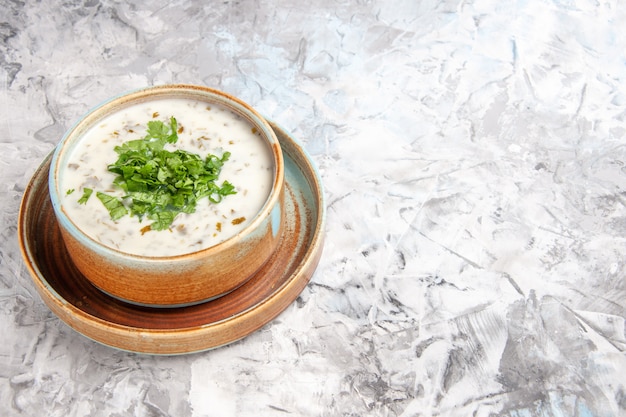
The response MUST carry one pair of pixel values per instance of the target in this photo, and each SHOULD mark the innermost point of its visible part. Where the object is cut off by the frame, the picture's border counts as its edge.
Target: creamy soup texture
(206, 128)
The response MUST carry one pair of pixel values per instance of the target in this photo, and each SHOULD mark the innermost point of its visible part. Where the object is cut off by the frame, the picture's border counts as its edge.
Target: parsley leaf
(114, 205)
(159, 184)
(86, 194)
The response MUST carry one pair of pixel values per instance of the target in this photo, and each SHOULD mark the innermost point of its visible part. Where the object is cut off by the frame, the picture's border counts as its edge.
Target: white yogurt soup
(204, 128)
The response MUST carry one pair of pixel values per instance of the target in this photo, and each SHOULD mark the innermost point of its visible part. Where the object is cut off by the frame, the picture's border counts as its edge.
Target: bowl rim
(126, 99)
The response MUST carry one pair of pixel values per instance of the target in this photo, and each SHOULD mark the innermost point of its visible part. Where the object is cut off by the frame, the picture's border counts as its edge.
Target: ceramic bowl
(185, 278)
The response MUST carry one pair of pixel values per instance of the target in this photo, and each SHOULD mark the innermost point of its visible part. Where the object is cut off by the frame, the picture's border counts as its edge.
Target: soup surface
(203, 128)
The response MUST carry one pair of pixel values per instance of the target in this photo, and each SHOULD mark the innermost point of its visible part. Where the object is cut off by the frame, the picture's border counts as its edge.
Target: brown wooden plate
(186, 329)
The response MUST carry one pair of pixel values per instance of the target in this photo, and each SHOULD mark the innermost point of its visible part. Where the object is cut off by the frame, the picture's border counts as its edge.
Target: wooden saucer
(187, 329)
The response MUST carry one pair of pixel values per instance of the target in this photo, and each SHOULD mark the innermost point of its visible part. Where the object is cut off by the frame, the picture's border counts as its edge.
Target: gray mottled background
(474, 160)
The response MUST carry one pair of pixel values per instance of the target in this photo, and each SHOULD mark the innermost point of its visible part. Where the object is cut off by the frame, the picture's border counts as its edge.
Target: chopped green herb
(86, 194)
(70, 191)
(160, 184)
(114, 205)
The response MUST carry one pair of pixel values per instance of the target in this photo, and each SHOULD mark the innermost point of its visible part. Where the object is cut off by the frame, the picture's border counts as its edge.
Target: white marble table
(474, 159)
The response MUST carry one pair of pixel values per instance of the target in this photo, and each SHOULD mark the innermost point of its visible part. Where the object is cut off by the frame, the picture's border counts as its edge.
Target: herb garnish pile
(160, 184)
